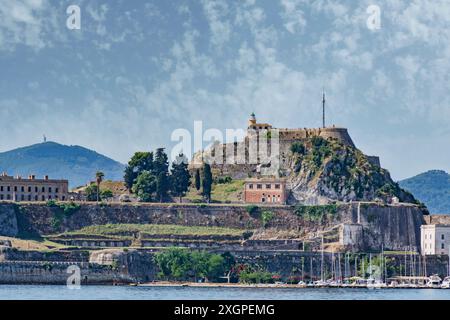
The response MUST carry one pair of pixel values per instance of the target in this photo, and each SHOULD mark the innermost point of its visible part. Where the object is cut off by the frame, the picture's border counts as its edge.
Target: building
(32, 189)
(265, 190)
(435, 239)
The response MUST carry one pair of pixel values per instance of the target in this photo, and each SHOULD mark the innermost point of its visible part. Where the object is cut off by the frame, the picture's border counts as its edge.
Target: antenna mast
(323, 108)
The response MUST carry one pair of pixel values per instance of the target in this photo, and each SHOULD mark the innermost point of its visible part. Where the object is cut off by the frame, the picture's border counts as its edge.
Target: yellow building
(32, 189)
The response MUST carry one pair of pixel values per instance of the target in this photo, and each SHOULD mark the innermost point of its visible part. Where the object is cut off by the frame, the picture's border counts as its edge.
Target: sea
(46, 292)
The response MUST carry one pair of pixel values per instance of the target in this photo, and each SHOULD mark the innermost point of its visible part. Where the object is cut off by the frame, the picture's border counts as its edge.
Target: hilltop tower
(323, 108)
(252, 120)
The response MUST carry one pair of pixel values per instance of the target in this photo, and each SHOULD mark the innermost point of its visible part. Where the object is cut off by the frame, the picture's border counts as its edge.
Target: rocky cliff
(321, 171)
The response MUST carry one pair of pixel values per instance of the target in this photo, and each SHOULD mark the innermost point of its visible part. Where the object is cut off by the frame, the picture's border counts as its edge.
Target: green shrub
(298, 148)
(250, 275)
(181, 264)
(252, 209)
(315, 213)
(266, 217)
(223, 180)
(51, 203)
(69, 208)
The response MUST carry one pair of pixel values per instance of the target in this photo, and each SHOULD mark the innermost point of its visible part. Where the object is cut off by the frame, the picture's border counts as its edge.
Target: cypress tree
(207, 182)
(180, 178)
(197, 179)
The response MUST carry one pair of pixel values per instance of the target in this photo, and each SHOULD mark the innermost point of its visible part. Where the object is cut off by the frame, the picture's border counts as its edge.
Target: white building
(435, 239)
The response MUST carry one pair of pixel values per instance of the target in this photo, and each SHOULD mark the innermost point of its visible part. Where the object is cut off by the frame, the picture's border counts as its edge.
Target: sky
(137, 70)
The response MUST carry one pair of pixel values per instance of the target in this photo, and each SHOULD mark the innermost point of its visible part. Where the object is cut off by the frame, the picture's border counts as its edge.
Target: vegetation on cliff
(341, 172)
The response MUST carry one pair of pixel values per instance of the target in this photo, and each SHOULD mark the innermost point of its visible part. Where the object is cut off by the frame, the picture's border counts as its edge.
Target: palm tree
(99, 178)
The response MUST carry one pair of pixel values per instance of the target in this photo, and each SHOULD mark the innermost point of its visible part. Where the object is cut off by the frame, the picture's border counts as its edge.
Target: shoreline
(271, 286)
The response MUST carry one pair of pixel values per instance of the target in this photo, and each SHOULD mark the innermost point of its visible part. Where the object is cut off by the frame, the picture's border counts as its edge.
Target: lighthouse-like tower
(252, 120)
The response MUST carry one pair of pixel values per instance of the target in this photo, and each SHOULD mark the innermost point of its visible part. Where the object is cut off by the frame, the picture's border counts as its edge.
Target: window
(1, 197)
(43, 189)
(1, 188)
(15, 188)
(8, 197)
(442, 246)
(29, 189)
(43, 198)
(56, 190)
(49, 189)
(9, 188)
(35, 189)
(268, 186)
(250, 186)
(35, 198)
(22, 188)
(442, 237)
(277, 186)
(22, 197)
(29, 197)
(259, 186)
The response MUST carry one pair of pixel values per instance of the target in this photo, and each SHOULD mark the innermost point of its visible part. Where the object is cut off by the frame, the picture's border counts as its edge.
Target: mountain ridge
(73, 162)
(432, 188)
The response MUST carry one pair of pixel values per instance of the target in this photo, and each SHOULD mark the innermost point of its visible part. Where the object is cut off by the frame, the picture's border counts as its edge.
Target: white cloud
(216, 12)
(294, 16)
(23, 22)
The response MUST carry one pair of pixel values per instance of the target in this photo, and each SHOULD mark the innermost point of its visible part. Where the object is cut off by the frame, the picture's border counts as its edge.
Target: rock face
(8, 222)
(137, 265)
(321, 171)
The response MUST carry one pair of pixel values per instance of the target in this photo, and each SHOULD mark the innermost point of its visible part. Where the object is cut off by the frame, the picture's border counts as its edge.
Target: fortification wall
(233, 158)
(437, 219)
(396, 227)
(31, 272)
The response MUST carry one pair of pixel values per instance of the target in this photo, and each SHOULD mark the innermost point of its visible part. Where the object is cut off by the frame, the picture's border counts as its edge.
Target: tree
(141, 161)
(180, 178)
(161, 171)
(106, 194)
(91, 192)
(161, 162)
(98, 179)
(145, 186)
(207, 182)
(197, 179)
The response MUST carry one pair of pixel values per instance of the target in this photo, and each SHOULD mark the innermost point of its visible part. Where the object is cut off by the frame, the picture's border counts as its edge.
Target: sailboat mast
(321, 263)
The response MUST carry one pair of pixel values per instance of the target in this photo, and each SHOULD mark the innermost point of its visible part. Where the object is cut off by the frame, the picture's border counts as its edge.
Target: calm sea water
(34, 292)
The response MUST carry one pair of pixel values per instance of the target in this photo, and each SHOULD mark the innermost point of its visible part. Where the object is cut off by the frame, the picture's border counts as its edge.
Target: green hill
(75, 163)
(432, 188)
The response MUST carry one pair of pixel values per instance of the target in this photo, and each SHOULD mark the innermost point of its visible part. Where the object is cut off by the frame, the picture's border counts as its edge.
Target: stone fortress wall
(239, 164)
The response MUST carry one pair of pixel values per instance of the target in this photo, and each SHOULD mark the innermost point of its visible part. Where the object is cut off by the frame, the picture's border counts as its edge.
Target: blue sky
(137, 70)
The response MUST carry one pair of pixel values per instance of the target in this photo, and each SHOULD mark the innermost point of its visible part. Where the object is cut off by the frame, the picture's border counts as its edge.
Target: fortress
(239, 159)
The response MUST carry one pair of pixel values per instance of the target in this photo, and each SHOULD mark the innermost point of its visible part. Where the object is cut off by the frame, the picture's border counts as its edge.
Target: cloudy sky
(137, 70)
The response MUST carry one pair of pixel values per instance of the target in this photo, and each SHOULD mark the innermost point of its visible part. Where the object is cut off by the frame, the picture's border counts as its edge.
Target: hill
(432, 188)
(75, 163)
(321, 170)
